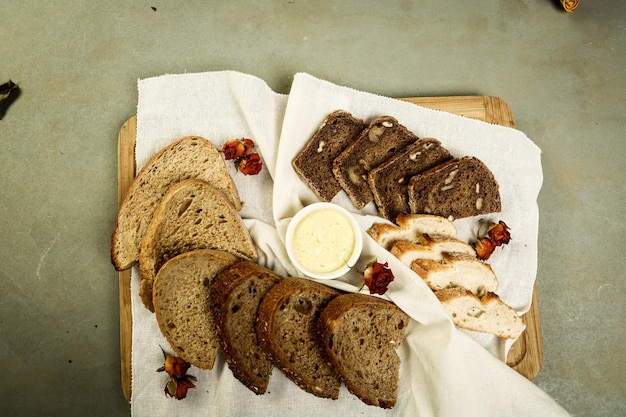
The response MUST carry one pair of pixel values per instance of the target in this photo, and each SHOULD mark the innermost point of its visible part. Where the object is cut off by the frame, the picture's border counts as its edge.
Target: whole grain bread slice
(191, 215)
(287, 330)
(487, 314)
(314, 164)
(182, 301)
(359, 334)
(188, 157)
(390, 180)
(378, 142)
(236, 295)
(458, 188)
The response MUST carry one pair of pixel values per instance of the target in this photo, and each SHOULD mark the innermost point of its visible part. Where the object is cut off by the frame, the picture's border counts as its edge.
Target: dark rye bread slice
(287, 327)
(314, 164)
(455, 189)
(389, 181)
(182, 301)
(237, 293)
(382, 138)
(192, 215)
(360, 334)
(188, 157)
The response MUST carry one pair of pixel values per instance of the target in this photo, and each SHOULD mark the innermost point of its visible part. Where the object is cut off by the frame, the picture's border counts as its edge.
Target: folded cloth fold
(444, 371)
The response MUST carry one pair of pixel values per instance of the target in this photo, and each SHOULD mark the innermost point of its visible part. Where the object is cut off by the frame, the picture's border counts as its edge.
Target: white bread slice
(182, 301)
(410, 228)
(191, 215)
(457, 270)
(188, 157)
(487, 314)
(429, 248)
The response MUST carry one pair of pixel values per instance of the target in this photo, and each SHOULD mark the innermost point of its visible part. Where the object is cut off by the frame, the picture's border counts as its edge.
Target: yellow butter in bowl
(323, 241)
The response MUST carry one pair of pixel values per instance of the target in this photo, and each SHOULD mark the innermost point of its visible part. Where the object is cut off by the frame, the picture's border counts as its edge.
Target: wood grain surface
(526, 355)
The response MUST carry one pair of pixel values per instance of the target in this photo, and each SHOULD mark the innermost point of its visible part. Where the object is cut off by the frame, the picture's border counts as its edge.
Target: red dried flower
(484, 248)
(498, 235)
(377, 277)
(179, 382)
(237, 148)
(250, 164)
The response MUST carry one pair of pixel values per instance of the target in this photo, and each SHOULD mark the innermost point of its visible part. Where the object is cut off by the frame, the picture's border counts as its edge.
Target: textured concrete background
(77, 63)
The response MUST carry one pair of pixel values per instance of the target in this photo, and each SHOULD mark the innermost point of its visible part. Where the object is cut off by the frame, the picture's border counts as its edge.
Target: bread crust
(267, 329)
(223, 292)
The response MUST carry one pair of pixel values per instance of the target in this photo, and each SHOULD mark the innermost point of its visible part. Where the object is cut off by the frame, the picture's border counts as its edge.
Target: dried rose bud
(174, 366)
(484, 248)
(177, 387)
(499, 233)
(233, 149)
(250, 164)
(377, 277)
(569, 5)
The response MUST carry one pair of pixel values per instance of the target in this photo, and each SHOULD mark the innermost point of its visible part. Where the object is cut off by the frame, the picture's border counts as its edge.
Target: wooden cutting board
(526, 355)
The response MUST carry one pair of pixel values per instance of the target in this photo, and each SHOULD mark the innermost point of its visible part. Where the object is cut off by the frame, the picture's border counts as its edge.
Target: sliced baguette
(456, 189)
(360, 334)
(191, 215)
(457, 270)
(237, 293)
(389, 181)
(378, 142)
(188, 157)
(314, 164)
(182, 304)
(286, 328)
(487, 314)
(410, 228)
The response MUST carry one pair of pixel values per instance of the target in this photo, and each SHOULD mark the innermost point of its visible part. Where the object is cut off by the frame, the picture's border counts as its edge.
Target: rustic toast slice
(287, 330)
(188, 157)
(182, 304)
(378, 142)
(456, 189)
(390, 180)
(314, 164)
(191, 215)
(236, 295)
(359, 334)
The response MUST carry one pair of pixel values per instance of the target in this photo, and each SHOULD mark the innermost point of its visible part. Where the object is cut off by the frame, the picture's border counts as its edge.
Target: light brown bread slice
(429, 248)
(487, 314)
(457, 270)
(360, 334)
(455, 189)
(390, 180)
(191, 215)
(411, 228)
(287, 330)
(236, 295)
(182, 304)
(188, 157)
(377, 143)
(314, 164)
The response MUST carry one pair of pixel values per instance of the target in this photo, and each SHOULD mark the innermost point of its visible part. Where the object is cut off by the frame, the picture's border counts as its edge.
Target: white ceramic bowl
(324, 241)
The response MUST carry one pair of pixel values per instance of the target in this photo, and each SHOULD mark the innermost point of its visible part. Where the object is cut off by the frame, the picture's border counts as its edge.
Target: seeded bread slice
(237, 293)
(456, 189)
(314, 164)
(287, 330)
(411, 228)
(377, 143)
(457, 270)
(429, 248)
(182, 304)
(188, 157)
(360, 334)
(487, 314)
(389, 181)
(191, 215)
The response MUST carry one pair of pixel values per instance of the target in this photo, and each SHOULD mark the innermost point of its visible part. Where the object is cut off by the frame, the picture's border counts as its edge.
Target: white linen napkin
(445, 372)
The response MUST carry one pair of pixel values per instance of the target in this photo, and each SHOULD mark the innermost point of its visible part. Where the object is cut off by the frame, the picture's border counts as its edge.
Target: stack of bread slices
(382, 161)
(465, 285)
(180, 222)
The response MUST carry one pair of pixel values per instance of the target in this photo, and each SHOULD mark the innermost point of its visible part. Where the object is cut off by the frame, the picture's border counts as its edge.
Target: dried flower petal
(177, 387)
(250, 164)
(174, 366)
(484, 248)
(569, 5)
(377, 277)
(499, 233)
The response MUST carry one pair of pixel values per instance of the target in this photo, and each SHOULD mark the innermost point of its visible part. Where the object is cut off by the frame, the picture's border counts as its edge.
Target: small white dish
(324, 241)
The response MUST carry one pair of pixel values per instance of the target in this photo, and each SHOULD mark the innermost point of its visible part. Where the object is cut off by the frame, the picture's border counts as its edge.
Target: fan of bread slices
(179, 221)
(465, 285)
